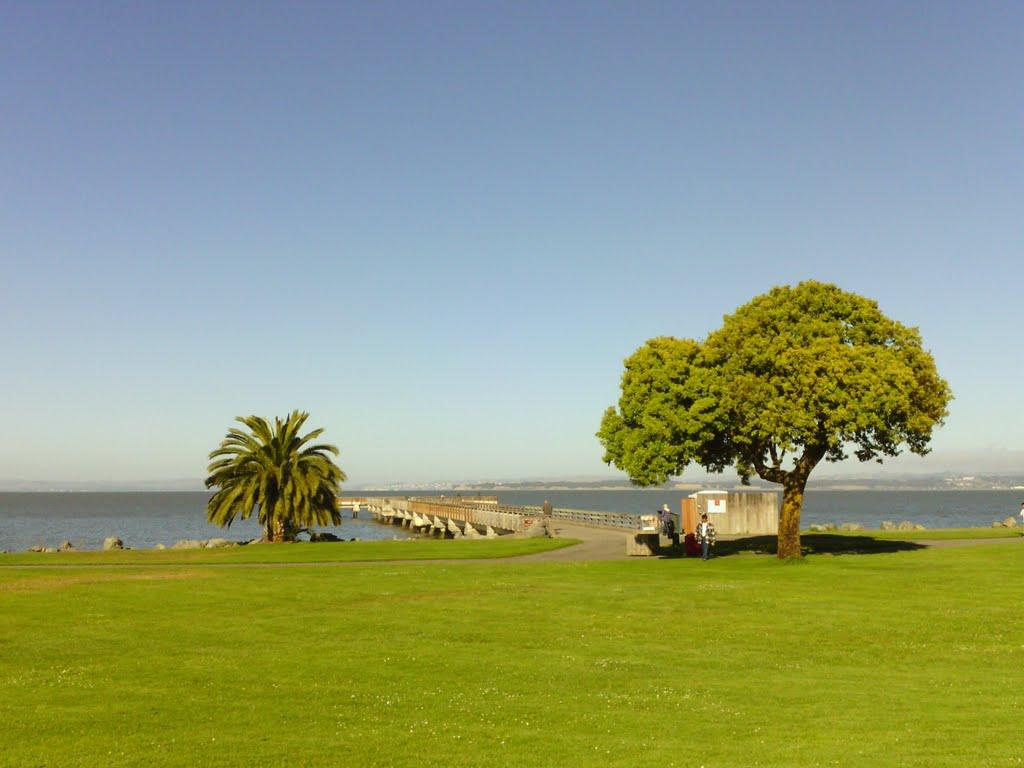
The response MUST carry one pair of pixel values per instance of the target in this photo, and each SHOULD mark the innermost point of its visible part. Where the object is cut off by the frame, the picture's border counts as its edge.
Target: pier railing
(423, 510)
(621, 520)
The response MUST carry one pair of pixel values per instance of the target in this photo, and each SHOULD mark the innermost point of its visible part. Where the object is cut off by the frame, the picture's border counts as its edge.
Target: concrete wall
(749, 512)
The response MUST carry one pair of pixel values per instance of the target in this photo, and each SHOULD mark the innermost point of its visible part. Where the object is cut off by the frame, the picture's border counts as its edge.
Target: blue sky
(441, 226)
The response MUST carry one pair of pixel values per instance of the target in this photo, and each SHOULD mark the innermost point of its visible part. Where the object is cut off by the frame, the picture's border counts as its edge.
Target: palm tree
(294, 485)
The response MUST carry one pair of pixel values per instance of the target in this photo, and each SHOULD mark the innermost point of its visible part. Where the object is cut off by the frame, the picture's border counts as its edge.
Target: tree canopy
(796, 375)
(291, 481)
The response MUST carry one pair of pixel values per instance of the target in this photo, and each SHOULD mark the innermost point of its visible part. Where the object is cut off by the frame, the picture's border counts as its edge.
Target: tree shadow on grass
(818, 544)
(810, 544)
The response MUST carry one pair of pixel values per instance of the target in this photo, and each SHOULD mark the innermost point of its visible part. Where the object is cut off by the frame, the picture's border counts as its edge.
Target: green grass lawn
(900, 659)
(334, 552)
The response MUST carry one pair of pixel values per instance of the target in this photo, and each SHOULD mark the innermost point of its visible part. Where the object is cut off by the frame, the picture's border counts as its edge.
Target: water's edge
(144, 519)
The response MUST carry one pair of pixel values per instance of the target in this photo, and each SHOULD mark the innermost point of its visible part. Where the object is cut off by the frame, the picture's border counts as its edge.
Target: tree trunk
(789, 517)
(277, 532)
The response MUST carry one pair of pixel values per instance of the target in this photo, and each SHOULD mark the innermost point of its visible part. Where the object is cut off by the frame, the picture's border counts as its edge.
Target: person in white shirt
(1022, 513)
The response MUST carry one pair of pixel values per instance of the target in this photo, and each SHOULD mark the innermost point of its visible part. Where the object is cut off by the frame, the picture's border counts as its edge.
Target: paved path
(595, 544)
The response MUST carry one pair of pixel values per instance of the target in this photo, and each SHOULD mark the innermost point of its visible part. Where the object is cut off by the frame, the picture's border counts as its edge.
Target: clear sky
(440, 227)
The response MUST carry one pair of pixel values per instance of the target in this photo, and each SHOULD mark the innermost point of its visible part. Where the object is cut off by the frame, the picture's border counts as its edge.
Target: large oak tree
(797, 375)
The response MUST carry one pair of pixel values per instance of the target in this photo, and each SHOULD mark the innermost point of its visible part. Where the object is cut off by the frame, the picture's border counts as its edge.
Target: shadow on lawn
(811, 544)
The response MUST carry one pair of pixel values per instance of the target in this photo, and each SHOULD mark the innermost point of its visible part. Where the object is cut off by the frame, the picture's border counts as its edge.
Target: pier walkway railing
(465, 517)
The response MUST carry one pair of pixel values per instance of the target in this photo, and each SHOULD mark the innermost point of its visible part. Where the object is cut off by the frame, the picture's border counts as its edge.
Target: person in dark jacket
(705, 536)
(668, 524)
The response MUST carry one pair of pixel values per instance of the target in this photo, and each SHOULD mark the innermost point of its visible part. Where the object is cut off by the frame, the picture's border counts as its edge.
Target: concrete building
(733, 512)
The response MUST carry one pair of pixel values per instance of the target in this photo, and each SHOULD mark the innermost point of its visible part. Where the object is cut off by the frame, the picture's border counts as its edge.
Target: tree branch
(809, 459)
(773, 474)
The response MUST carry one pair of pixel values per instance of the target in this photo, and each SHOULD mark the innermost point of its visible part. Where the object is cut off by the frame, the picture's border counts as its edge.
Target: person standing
(546, 508)
(668, 524)
(1022, 513)
(705, 536)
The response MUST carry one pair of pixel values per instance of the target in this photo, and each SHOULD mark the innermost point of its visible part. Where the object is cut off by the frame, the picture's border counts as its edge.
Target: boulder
(112, 542)
(323, 536)
(850, 527)
(188, 544)
(919, 527)
(817, 528)
(159, 546)
(905, 525)
(65, 546)
(1009, 522)
(218, 543)
(36, 548)
(888, 525)
(50, 550)
(997, 524)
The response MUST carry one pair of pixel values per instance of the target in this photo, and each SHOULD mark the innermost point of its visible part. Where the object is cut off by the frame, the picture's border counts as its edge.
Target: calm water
(146, 519)
(140, 519)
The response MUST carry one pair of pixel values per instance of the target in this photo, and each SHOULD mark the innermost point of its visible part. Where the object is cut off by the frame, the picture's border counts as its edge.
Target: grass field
(335, 552)
(899, 659)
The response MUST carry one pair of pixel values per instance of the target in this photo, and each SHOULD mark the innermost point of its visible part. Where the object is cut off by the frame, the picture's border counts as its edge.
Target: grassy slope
(353, 551)
(912, 658)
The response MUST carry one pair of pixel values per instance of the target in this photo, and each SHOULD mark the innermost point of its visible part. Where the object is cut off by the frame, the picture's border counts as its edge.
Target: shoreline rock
(322, 536)
(188, 544)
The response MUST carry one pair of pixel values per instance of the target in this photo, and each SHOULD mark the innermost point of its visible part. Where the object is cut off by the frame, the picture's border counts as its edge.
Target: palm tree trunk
(278, 532)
